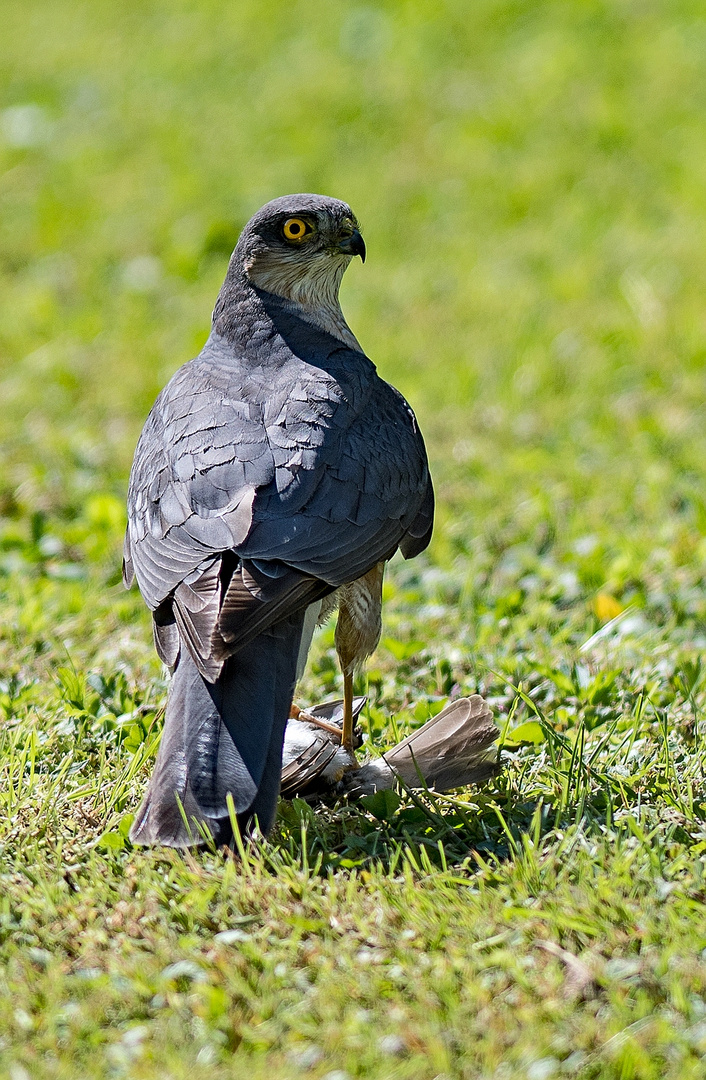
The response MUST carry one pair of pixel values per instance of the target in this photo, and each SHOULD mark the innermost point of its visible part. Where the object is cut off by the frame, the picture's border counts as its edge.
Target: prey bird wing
(453, 749)
(313, 755)
(272, 469)
(447, 751)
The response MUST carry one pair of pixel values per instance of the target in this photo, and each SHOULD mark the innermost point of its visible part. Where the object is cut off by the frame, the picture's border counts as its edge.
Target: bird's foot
(295, 713)
(329, 717)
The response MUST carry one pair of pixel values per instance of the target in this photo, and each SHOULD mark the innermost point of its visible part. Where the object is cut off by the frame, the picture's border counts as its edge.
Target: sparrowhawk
(274, 476)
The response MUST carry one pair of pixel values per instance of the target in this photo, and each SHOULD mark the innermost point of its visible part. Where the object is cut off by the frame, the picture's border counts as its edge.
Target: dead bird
(452, 749)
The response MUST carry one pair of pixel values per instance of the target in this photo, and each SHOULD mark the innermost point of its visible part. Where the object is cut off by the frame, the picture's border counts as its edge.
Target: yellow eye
(295, 229)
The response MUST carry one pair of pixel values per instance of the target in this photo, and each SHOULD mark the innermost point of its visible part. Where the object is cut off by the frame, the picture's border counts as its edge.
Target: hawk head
(299, 246)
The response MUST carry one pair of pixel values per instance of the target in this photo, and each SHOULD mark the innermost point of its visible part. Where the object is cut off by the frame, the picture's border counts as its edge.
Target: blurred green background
(531, 178)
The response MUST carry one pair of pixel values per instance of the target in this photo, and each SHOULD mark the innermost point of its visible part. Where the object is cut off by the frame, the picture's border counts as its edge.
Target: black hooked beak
(353, 245)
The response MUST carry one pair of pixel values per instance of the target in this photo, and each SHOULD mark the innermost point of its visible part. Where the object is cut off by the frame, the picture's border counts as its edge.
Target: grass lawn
(531, 178)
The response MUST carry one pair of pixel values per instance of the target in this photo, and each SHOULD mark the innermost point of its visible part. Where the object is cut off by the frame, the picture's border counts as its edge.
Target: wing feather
(298, 457)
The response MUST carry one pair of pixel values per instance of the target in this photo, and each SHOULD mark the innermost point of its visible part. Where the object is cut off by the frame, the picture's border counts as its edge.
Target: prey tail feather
(219, 739)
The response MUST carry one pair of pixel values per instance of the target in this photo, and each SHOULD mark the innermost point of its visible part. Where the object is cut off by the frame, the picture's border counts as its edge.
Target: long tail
(220, 739)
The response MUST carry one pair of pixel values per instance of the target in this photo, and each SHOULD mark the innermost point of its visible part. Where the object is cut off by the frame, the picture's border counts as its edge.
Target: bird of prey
(274, 476)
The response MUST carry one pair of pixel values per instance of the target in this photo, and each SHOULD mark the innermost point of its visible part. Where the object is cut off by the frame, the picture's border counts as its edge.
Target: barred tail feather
(222, 739)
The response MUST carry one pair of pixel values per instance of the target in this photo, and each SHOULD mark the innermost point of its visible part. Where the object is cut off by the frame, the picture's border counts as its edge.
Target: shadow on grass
(626, 778)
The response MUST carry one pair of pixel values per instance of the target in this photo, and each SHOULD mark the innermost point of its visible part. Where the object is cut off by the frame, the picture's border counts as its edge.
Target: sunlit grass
(531, 179)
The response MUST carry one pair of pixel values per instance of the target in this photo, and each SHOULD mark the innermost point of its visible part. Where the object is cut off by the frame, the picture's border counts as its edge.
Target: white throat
(312, 295)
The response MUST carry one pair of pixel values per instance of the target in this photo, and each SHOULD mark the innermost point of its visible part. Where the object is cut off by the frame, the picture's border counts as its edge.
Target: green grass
(531, 178)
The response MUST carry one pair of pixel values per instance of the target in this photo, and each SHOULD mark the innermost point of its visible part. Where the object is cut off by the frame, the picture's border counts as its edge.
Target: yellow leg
(347, 734)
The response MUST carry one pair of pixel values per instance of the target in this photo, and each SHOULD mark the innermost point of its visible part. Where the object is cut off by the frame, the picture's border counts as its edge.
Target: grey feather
(320, 519)
(219, 740)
